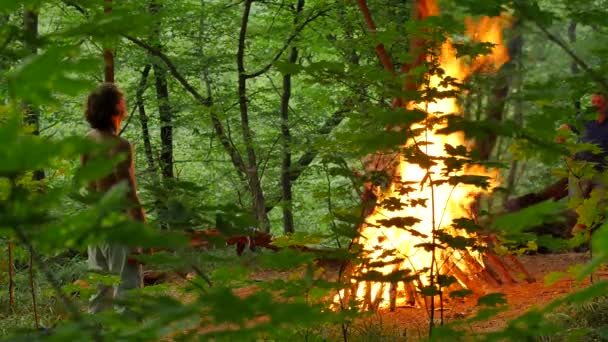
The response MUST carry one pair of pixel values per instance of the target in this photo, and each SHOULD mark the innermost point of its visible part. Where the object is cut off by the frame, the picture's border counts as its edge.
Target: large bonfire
(394, 237)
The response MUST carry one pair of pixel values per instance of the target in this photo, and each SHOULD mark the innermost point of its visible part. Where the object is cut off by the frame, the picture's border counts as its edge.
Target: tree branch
(204, 101)
(297, 31)
(307, 158)
(599, 80)
(385, 59)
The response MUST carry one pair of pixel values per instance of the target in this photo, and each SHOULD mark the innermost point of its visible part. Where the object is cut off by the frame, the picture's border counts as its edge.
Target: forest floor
(520, 297)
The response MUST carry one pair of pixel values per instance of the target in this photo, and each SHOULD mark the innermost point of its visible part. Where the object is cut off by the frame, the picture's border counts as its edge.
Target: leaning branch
(579, 61)
(172, 69)
(297, 31)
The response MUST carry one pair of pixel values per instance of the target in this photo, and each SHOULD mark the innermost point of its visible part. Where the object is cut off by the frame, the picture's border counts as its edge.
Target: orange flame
(444, 202)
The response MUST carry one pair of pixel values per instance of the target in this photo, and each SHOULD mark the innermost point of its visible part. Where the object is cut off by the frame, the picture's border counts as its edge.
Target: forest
(303, 170)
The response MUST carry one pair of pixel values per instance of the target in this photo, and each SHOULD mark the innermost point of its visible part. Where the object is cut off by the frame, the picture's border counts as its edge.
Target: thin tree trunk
(32, 114)
(286, 163)
(162, 96)
(574, 68)
(518, 113)
(166, 118)
(4, 19)
(33, 292)
(108, 54)
(501, 90)
(255, 186)
(11, 278)
(143, 118)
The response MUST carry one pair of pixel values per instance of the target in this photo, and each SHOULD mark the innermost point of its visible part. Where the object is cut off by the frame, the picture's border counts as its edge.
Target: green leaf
(529, 217)
(286, 68)
(460, 293)
(286, 259)
(492, 299)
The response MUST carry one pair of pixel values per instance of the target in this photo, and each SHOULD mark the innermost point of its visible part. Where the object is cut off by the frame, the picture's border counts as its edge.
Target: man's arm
(126, 172)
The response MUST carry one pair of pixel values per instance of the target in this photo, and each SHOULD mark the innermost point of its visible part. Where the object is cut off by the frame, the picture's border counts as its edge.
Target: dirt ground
(520, 296)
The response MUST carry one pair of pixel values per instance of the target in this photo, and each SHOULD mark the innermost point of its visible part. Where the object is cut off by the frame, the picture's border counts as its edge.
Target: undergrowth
(582, 322)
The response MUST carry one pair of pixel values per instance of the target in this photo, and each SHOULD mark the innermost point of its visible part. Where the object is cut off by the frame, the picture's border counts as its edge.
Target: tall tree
(518, 110)
(253, 175)
(32, 114)
(143, 118)
(162, 95)
(285, 131)
(500, 90)
(108, 54)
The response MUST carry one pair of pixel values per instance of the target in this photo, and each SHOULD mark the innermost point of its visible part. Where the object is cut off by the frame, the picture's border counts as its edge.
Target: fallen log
(555, 191)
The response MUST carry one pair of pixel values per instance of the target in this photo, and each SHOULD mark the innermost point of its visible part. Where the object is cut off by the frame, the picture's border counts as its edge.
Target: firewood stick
(367, 297)
(379, 297)
(527, 276)
(463, 277)
(500, 267)
(420, 301)
(392, 293)
(412, 296)
(480, 270)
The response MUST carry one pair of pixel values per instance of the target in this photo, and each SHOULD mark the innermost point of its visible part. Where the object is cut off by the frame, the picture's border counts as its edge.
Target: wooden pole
(108, 54)
(33, 289)
(11, 282)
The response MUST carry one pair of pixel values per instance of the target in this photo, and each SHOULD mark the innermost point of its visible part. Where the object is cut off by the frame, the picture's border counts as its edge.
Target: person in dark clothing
(587, 170)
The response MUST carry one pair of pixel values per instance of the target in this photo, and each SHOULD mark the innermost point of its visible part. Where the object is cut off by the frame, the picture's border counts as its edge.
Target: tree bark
(162, 97)
(4, 62)
(143, 118)
(518, 110)
(574, 68)
(32, 114)
(309, 156)
(108, 54)
(255, 185)
(288, 226)
(500, 90)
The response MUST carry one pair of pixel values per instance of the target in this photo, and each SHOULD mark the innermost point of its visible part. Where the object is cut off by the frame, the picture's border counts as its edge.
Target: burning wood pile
(420, 239)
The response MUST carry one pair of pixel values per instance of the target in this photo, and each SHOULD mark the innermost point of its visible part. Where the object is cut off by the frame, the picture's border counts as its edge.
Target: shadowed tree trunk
(500, 90)
(573, 65)
(286, 163)
(518, 110)
(253, 177)
(108, 54)
(162, 96)
(4, 61)
(32, 114)
(143, 118)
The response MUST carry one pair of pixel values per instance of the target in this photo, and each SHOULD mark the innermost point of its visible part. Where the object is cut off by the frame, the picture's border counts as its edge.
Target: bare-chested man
(105, 110)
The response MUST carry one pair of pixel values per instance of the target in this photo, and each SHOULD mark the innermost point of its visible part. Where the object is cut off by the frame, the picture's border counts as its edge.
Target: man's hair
(101, 106)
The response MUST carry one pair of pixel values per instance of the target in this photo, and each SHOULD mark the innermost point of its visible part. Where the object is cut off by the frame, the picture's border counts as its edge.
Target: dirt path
(520, 297)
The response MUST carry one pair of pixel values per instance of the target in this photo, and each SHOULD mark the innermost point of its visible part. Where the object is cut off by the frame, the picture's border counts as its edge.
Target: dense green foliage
(224, 64)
